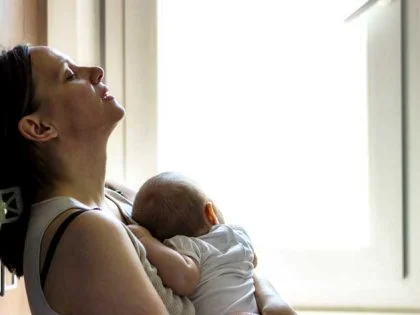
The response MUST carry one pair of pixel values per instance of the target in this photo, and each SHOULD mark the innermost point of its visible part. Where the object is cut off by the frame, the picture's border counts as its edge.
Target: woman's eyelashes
(70, 76)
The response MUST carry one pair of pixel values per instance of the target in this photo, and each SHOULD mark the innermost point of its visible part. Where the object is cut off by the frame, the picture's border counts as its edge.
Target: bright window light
(264, 103)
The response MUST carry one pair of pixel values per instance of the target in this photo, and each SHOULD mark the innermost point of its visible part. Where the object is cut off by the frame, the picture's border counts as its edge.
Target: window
(264, 112)
(273, 106)
(292, 121)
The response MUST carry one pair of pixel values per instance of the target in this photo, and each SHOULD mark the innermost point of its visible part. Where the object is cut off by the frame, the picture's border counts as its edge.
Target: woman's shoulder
(87, 241)
(95, 226)
(93, 238)
(88, 264)
(50, 208)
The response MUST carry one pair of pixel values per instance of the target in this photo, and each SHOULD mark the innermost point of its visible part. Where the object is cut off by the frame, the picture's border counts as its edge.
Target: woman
(55, 120)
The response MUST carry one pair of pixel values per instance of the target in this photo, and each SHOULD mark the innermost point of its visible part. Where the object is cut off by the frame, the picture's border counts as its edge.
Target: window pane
(265, 104)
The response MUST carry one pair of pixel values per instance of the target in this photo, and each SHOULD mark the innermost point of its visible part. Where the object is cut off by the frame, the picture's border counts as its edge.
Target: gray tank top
(43, 213)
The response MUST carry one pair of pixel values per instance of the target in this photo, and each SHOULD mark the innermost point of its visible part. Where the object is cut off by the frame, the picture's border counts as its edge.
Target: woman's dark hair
(20, 165)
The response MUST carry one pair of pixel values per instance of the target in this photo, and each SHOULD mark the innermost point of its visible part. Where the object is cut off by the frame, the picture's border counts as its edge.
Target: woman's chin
(119, 111)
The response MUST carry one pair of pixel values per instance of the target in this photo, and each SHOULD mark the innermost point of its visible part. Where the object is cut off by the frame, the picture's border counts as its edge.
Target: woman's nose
(97, 74)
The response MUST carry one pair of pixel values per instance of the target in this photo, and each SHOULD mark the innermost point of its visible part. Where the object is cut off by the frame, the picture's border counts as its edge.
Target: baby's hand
(139, 231)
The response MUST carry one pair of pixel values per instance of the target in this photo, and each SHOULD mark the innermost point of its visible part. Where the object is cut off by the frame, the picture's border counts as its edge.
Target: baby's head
(170, 204)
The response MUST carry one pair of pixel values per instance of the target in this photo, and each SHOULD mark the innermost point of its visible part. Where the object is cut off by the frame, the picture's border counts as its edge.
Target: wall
(23, 22)
(412, 94)
(130, 60)
(74, 29)
(15, 302)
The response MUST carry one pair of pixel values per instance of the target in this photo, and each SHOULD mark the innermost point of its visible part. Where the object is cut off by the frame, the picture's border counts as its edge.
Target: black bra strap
(53, 245)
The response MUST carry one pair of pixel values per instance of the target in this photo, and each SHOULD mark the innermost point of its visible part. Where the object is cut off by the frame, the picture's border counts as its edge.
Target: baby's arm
(121, 188)
(178, 272)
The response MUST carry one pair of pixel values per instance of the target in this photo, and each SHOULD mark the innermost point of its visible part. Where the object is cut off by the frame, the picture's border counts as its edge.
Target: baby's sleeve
(242, 234)
(243, 238)
(185, 246)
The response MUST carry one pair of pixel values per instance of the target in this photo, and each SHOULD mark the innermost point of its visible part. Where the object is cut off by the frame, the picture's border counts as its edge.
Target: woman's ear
(32, 128)
(210, 214)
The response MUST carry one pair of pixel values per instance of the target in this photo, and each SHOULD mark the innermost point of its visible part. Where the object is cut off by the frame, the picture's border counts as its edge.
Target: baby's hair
(169, 204)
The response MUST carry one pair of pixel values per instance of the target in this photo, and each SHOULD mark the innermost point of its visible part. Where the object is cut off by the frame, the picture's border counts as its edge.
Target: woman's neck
(82, 175)
(88, 189)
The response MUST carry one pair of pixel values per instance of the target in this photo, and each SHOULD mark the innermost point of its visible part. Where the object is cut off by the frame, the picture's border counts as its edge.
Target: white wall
(140, 90)
(73, 27)
(413, 143)
(114, 77)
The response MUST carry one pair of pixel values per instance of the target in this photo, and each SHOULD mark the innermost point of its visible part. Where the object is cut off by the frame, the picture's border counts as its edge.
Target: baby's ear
(32, 128)
(210, 214)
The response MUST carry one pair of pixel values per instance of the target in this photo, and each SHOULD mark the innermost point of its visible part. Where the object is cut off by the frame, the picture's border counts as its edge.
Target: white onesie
(225, 257)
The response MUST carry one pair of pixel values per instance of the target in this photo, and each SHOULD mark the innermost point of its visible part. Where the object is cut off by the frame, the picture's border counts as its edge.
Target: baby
(201, 257)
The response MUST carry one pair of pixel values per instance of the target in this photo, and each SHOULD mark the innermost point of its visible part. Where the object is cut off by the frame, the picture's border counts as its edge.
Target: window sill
(352, 313)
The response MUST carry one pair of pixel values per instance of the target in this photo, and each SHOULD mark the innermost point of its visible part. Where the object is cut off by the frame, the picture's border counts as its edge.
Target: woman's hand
(268, 300)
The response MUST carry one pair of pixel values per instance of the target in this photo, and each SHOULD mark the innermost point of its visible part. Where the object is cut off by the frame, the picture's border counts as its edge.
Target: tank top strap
(55, 241)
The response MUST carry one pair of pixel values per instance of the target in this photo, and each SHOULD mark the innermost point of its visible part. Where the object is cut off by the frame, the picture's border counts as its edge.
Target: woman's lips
(107, 97)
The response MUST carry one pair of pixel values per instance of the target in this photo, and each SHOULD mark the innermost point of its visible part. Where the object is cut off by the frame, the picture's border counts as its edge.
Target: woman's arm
(268, 300)
(96, 270)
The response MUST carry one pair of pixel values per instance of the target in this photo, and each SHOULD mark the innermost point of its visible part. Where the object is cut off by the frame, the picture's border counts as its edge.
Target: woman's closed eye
(70, 76)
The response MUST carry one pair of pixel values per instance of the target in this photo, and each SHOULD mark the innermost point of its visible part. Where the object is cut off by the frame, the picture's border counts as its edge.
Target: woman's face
(73, 99)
